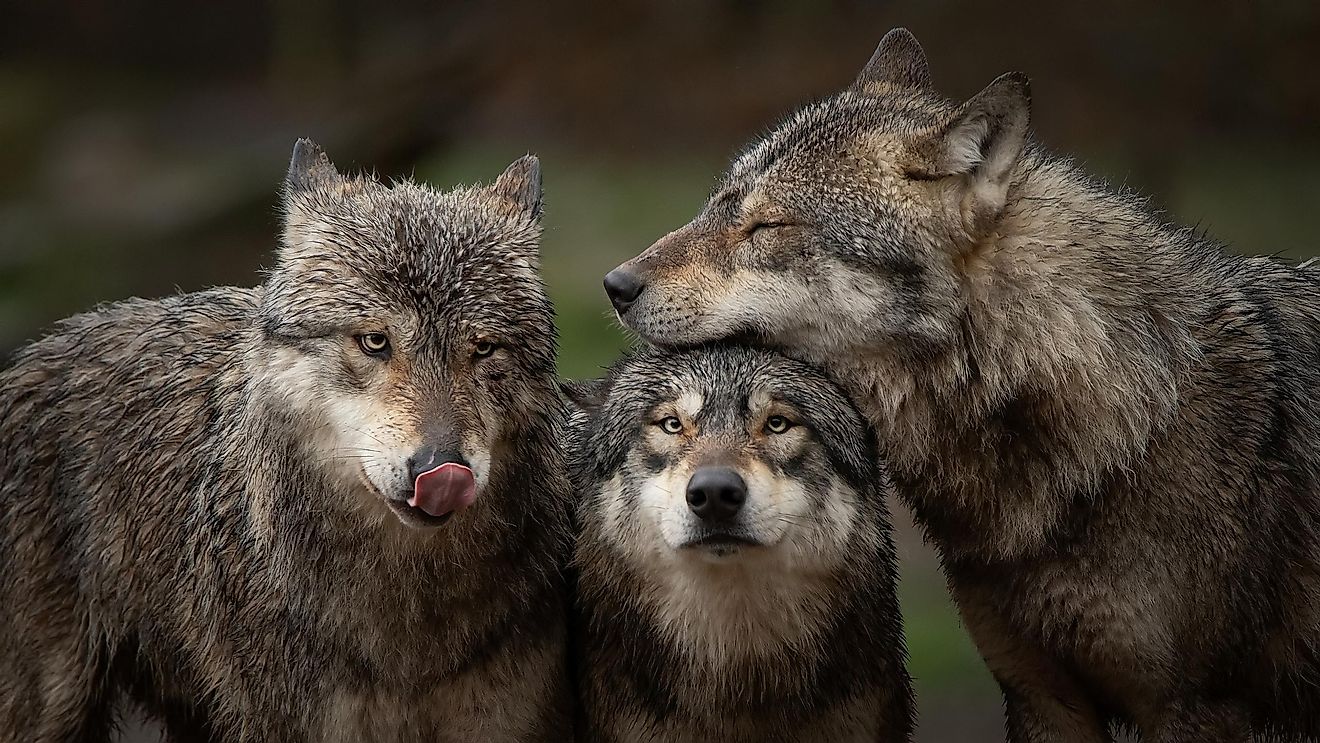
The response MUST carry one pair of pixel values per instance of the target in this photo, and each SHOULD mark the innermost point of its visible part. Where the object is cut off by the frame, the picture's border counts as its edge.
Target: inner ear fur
(309, 168)
(520, 185)
(980, 144)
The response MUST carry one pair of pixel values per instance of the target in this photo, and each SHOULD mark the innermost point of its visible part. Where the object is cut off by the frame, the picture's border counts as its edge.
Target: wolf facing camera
(330, 508)
(736, 577)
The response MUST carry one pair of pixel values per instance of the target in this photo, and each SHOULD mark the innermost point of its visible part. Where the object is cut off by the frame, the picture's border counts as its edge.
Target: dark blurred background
(142, 143)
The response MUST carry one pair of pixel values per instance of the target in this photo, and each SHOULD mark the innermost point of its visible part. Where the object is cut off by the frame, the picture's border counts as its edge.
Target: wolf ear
(309, 168)
(586, 394)
(982, 143)
(898, 61)
(520, 185)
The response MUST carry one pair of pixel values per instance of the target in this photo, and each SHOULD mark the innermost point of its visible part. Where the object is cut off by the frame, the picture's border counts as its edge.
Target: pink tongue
(445, 489)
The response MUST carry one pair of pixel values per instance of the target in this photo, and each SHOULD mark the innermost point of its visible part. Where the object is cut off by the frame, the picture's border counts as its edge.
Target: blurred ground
(143, 144)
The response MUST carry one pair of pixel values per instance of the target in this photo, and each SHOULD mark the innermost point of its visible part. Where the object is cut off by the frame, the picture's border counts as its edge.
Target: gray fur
(185, 523)
(797, 639)
(898, 60)
(1107, 424)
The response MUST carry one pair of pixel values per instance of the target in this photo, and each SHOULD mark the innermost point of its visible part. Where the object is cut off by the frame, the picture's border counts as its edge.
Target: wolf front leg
(1042, 704)
(1041, 718)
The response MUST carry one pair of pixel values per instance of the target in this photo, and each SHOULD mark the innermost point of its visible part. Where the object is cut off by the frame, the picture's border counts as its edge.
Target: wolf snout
(623, 287)
(716, 493)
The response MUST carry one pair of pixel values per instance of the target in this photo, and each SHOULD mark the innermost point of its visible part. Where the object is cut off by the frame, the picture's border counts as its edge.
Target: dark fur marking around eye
(655, 462)
(795, 465)
(745, 406)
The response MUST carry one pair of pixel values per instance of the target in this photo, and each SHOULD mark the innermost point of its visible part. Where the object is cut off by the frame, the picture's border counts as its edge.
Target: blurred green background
(144, 142)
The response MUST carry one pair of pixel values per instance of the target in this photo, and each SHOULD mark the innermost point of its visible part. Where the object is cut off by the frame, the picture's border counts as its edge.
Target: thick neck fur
(739, 651)
(1066, 359)
(745, 655)
(721, 616)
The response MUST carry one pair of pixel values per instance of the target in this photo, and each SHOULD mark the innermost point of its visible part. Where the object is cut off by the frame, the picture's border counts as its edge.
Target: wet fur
(178, 526)
(801, 642)
(1106, 423)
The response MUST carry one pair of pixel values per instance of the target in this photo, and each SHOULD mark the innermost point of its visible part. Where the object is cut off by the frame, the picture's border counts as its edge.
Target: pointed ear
(309, 168)
(898, 61)
(982, 143)
(520, 185)
(586, 394)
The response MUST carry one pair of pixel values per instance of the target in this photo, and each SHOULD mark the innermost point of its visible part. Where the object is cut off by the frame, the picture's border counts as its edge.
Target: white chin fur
(663, 499)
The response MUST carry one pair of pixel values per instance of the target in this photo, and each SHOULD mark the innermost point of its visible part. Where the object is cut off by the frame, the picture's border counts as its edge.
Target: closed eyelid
(761, 219)
(770, 219)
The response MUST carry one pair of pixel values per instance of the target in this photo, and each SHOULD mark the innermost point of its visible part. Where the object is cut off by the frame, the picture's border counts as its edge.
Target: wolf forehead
(412, 239)
(720, 376)
(834, 127)
(377, 249)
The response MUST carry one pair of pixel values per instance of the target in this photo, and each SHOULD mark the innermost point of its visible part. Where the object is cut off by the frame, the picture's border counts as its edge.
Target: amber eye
(777, 424)
(374, 344)
(483, 349)
(670, 425)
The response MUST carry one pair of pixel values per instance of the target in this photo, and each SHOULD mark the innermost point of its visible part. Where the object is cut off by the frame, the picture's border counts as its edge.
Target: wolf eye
(777, 424)
(374, 344)
(765, 225)
(670, 425)
(483, 349)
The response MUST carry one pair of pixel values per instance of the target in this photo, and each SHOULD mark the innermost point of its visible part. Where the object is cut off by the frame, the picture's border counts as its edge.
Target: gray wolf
(736, 577)
(1107, 425)
(331, 508)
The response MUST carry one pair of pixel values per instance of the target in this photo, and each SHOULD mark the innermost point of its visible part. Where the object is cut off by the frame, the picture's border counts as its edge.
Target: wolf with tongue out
(330, 508)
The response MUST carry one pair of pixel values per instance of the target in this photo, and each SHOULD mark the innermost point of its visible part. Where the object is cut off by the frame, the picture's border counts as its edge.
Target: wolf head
(846, 226)
(407, 333)
(726, 455)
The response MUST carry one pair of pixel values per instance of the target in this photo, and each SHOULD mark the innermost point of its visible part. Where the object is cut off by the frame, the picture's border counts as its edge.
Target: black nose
(623, 288)
(716, 493)
(428, 458)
